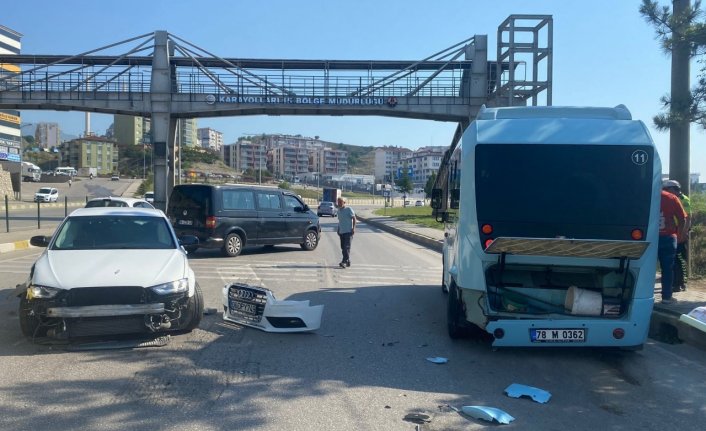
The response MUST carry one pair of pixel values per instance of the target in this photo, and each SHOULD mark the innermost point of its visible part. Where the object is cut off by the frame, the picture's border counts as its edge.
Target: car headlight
(172, 287)
(44, 292)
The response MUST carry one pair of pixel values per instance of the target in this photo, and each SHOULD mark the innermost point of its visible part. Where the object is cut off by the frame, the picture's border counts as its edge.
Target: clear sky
(605, 54)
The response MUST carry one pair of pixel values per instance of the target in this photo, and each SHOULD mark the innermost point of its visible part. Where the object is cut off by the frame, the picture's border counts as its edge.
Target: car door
(298, 220)
(272, 221)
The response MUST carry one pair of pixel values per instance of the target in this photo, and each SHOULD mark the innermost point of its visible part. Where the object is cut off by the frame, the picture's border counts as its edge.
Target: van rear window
(588, 185)
(192, 198)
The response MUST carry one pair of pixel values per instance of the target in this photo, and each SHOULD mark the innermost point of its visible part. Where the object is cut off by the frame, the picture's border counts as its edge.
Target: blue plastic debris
(438, 360)
(517, 390)
(489, 414)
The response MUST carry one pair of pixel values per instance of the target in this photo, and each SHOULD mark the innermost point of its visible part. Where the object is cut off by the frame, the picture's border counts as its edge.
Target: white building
(210, 138)
(386, 162)
(422, 163)
(47, 135)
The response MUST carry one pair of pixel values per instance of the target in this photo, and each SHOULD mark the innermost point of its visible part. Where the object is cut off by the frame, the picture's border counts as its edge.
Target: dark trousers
(666, 250)
(346, 239)
(680, 265)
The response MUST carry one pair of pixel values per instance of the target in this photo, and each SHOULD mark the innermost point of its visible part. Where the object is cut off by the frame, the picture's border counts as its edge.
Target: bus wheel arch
(456, 324)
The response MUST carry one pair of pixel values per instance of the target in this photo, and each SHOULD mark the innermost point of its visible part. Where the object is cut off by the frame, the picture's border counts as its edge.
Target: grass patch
(416, 215)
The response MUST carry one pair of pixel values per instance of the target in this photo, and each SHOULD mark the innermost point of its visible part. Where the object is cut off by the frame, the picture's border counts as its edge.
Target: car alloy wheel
(311, 240)
(233, 245)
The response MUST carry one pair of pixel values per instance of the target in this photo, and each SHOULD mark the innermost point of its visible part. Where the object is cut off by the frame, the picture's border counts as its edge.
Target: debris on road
(417, 418)
(438, 360)
(517, 390)
(121, 344)
(488, 414)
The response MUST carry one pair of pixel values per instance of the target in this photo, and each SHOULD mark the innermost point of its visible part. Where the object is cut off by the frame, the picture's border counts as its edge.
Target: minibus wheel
(454, 314)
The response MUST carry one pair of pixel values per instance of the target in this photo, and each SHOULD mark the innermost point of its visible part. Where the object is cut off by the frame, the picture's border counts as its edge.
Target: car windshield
(105, 203)
(44, 190)
(114, 232)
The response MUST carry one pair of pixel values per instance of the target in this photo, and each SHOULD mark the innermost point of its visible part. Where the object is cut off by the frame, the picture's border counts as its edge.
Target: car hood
(67, 269)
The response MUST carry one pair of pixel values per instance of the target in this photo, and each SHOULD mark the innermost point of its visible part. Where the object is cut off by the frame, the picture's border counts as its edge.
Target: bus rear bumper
(627, 332)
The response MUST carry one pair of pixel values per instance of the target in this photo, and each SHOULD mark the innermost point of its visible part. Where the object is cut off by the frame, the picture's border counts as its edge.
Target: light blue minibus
(551, 218)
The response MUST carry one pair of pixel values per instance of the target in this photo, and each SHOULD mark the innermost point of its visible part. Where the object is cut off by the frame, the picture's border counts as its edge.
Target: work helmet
(671, 184)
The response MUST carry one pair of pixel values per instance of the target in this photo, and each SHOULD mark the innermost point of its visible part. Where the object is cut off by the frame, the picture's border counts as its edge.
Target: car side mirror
(305, 208)
(40, 241)
(436, 196)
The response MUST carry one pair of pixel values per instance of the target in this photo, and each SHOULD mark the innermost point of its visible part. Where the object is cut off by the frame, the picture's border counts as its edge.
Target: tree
(404, 183)
(673, 30)
(430, 184)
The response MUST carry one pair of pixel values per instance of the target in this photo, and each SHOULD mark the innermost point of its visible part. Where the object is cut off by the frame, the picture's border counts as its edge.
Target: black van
(230, 217)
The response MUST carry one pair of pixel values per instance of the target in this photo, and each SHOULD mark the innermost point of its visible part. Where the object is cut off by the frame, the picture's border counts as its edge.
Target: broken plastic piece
(517, 390)
(487, 414)
(417, 418)
(257, 307)
(438, 360)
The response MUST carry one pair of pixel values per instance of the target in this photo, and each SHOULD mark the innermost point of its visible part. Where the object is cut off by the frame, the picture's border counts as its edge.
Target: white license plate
(185, 222)
(243, 307)
(558, 335)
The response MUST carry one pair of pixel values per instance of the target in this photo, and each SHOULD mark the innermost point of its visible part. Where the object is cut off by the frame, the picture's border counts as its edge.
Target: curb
(14, 246)
(430, 243)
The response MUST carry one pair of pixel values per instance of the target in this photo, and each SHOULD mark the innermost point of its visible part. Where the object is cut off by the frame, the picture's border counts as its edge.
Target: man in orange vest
(672, 224)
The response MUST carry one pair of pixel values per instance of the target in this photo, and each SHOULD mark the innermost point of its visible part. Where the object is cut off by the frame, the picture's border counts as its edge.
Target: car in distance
(110, 271)
(46, 194)
(419, 204)
(115, 178)
(327, 208)
(149, 197)
(117, 201)
(230, 217)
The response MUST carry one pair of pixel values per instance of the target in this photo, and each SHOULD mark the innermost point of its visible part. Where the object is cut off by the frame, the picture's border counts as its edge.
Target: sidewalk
(18, 239)
(664, 325)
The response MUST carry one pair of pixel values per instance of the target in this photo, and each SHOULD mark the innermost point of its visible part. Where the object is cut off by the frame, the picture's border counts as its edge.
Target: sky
(605, 53)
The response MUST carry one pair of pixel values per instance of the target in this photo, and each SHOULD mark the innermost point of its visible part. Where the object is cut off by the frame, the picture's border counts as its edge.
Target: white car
(116, 201)
(149, 197)
(46, 194)
(109, 271)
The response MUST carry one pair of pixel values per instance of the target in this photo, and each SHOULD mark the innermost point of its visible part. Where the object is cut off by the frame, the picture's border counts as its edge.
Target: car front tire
(233, 245)
(194, 309)
(311, 240)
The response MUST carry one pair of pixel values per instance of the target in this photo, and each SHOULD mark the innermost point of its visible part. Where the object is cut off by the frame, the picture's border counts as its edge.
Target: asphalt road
(365, 369)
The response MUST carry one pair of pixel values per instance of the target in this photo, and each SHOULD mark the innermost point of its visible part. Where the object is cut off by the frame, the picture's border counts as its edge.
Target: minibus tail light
(487, 229)
(636, 234)
(618, 333)
(488, 242)
(210, 222)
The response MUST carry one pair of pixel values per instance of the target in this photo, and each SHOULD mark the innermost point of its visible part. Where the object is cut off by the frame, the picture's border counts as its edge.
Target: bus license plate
(558, 335)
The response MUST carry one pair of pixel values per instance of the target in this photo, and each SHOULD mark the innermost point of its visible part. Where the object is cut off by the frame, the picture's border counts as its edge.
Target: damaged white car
(109, 271)
(257, 307)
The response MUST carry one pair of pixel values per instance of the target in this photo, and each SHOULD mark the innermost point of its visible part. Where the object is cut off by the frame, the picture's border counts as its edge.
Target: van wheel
(233, 245)
(454, 314)
(194, 309)
(311, 240)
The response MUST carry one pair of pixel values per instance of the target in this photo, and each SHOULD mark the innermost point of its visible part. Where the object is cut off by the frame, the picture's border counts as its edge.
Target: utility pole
(679, 132)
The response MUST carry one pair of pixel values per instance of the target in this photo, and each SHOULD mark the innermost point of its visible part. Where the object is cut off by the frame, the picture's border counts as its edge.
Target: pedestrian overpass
(165, 77)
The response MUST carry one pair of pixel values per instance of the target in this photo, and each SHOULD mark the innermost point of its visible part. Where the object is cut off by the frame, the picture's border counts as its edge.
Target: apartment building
(421, 163)
(387, 160)
(210, 138)
(47, 135)
(130, 130)
(243, 155)
(289, 161)
(328, 161)
(91, 152)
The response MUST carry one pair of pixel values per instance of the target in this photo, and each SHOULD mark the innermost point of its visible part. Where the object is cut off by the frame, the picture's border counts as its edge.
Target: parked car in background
(230, 217)
(149, 197)
(419, 204)
(116, 201)
(108, 272)
(327, 208)
(46, 194)
(115, 178)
